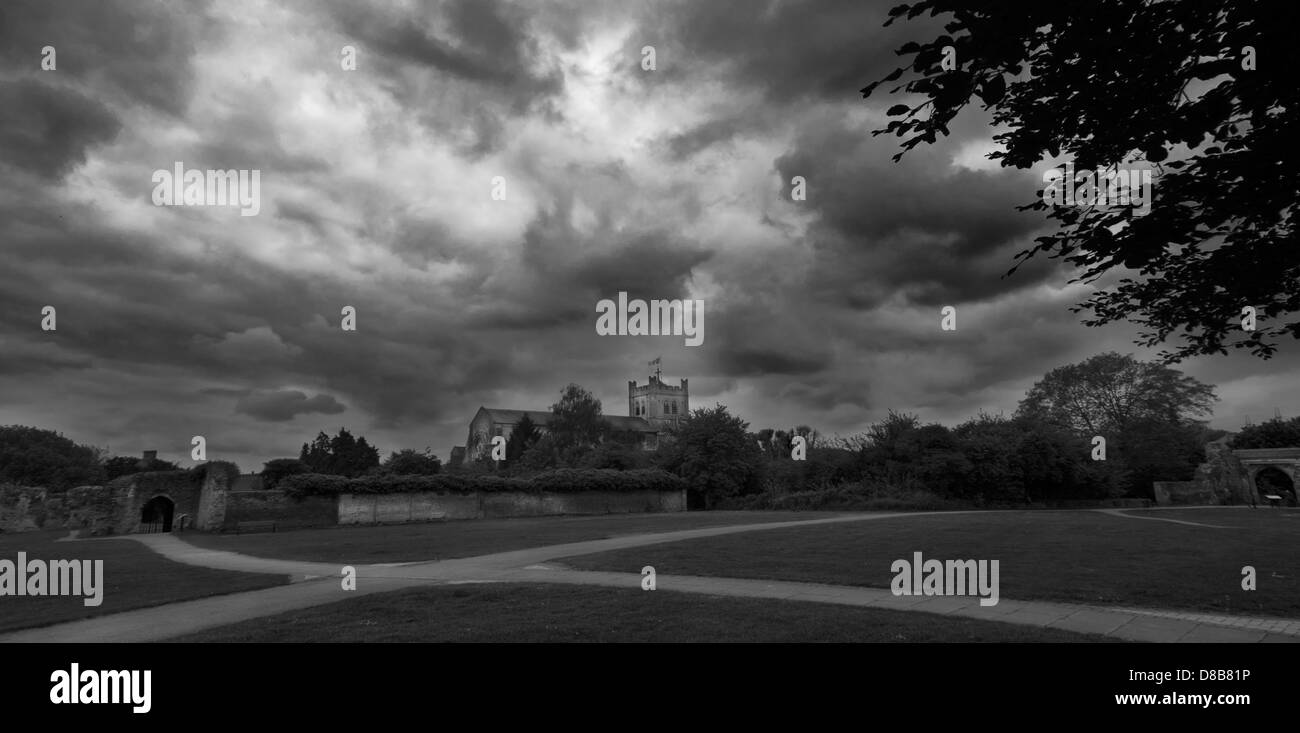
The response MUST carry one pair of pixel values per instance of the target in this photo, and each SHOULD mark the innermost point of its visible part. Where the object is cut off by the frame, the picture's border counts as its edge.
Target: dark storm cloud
(749, 362)
(29, 357)
(177, 322)
(283, 405)
(46, 129)
(790, 50)
(939, 234)
(487, 45)
(703, 136)
(790, 53)
(222, 392)
(128, 51)
(131, 297)
(655, 264)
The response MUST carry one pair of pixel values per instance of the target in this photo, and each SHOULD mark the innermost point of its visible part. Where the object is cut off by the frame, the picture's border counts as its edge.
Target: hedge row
(561, 481)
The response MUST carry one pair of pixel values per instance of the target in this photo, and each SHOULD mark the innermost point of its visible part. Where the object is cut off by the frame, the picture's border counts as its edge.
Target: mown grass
(1080, 557)
(554, 613)
(467, 538)
(134, 577)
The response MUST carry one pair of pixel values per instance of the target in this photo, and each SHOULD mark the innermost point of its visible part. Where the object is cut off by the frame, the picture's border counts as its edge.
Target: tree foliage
(712, 450)
(1275, 433)
(341, 455)
(277, 469)
(577, 420)
(1113, 81)
(46, 459)
(1113, 392)
(411, 462)
(119, 466)
(524, 436)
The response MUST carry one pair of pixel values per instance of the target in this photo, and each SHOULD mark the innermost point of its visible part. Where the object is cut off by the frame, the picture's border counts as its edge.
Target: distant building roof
(542, 418)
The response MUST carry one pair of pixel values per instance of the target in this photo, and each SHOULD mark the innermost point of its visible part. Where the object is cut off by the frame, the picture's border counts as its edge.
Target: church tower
(662, 405)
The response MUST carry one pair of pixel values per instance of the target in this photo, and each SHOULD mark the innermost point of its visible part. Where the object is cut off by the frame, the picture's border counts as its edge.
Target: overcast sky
(376, 193)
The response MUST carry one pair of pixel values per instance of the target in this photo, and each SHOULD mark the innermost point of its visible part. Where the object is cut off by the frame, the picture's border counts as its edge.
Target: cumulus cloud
(376, 194)
(282, 405)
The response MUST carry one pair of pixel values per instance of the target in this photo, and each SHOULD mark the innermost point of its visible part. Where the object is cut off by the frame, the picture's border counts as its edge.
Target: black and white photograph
(932, 325)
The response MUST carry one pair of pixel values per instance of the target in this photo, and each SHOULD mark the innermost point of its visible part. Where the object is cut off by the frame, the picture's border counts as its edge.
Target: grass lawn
(549, 613)
(1080, 557)
(467, 538)
(1222, 515)
(134, 577)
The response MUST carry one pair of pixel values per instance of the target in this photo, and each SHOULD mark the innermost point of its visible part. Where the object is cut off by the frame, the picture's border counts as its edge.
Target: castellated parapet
(660, 403)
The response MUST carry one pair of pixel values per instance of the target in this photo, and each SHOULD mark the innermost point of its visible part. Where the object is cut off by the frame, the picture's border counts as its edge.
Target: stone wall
(116, 508)
(22, 508)
(181, 487)
(1220, 479)
(1169, 493)
(395, 508)
(286, 512)
(1223, 474)
(248, 482)
(89, 509)
(94, 510)
(211, 505)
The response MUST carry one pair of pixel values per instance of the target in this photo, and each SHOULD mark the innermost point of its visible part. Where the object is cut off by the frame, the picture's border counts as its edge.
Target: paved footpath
(320, 583)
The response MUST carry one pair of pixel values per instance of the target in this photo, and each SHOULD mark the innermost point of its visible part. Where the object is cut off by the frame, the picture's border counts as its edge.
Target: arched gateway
(156, 514)
(1272, 471)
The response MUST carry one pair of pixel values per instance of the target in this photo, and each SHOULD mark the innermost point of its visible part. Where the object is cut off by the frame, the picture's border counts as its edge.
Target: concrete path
(320, 583)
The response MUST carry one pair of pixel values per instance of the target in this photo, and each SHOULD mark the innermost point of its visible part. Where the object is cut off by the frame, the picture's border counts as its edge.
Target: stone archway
(1275, 480)
(1270, 471)
(156, 514)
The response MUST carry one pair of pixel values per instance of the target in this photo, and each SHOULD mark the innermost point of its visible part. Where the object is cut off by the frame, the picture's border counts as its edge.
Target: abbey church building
(652, 408)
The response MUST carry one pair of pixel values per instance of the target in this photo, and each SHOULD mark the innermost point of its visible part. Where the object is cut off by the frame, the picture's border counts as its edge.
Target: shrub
(565, 480)
(276, 470)
(409, 462)
(577, 480)
(200, 473)
(46, 459)
(313, 484)
(1275, 433)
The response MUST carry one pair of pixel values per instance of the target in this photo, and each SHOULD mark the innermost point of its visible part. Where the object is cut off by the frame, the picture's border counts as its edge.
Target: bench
(1273, 501)
(258, 526)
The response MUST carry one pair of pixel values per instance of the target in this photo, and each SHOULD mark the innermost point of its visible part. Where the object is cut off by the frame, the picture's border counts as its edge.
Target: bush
(120, 466)
(618, 456)
(565, 480)
(711, 449)
(577, 480)
(314, 484)
(278, 469)
(1275, 433)
(409, 462)
(45, 459)
(200, 473)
